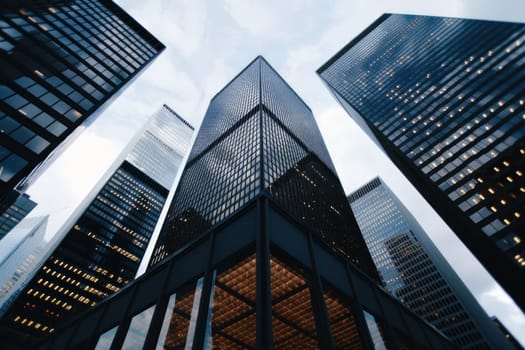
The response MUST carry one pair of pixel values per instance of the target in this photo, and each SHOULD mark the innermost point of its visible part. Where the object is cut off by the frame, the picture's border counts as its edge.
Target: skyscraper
(444, 99)
(257, 272)
(413, 270)
(103, 248)
(60, 61)
(283, 155)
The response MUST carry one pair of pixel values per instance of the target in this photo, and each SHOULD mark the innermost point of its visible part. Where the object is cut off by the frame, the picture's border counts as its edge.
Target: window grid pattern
(213, 186)
(309, 191)
(160, 149)
(406, 268)
(456, 115)
(230, 105)
(225, 174)
(290, 110)
(59, 64)
(99, 255)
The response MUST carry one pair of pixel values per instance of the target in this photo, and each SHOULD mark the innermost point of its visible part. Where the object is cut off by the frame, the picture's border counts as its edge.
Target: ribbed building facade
(103, 249)
(240, 263)
(444, 99)
(283, 153)
(413, 270)
(59, 62)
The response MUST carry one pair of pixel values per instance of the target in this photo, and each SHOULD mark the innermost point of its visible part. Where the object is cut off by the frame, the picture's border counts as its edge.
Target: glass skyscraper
(413, 270)
(241, 263)
(283, 155)
(444, 99)
(102, 250)
(59, 62)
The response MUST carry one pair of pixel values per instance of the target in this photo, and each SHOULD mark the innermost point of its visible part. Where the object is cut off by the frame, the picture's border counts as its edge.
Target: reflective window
(138, 329)
(376, 332)
(105, 340)
(180, 318)
(10, 166)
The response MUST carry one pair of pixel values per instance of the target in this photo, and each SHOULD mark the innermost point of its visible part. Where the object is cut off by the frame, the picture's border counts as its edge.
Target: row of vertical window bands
(231, 287)
(503, 129)
(62, 56)
(401, 112)
(455, 59)
(80, 14)
(491, 81)
(500, 103)
(95, 39)
(124, 29)
(43, 90)
(447, 58)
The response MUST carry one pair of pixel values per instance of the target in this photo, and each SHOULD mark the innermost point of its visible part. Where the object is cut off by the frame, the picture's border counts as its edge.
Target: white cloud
(271, 20)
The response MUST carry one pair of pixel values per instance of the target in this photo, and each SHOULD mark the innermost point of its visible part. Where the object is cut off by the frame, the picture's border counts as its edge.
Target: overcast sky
(209, 42)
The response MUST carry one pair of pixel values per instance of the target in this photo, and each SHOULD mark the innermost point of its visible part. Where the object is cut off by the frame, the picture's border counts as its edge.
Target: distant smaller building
(414, 271)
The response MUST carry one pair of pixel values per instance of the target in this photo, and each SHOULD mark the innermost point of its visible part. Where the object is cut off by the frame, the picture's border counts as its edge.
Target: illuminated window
(233, 316)
(342, 322)
(293, 324)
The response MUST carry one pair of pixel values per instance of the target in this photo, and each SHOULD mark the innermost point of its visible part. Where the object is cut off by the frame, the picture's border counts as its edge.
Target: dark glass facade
(444, 99)
(258, 280)
(59, 62)
(412, 269)
(259, 136)
(15, 212)
(259, 277)
(102, 251)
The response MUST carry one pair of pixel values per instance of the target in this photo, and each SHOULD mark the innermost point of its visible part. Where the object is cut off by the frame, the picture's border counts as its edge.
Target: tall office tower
(413, 270)
(21, 206)
(102, 250)
(444, 99)
(60, 61)
(283, 154)
(257, 272)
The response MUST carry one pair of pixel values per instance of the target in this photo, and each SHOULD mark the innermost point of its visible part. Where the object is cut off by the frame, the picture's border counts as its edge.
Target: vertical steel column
(160, 311)
(357, 310)
(322, 321)
(263, 308)
(204, 302)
